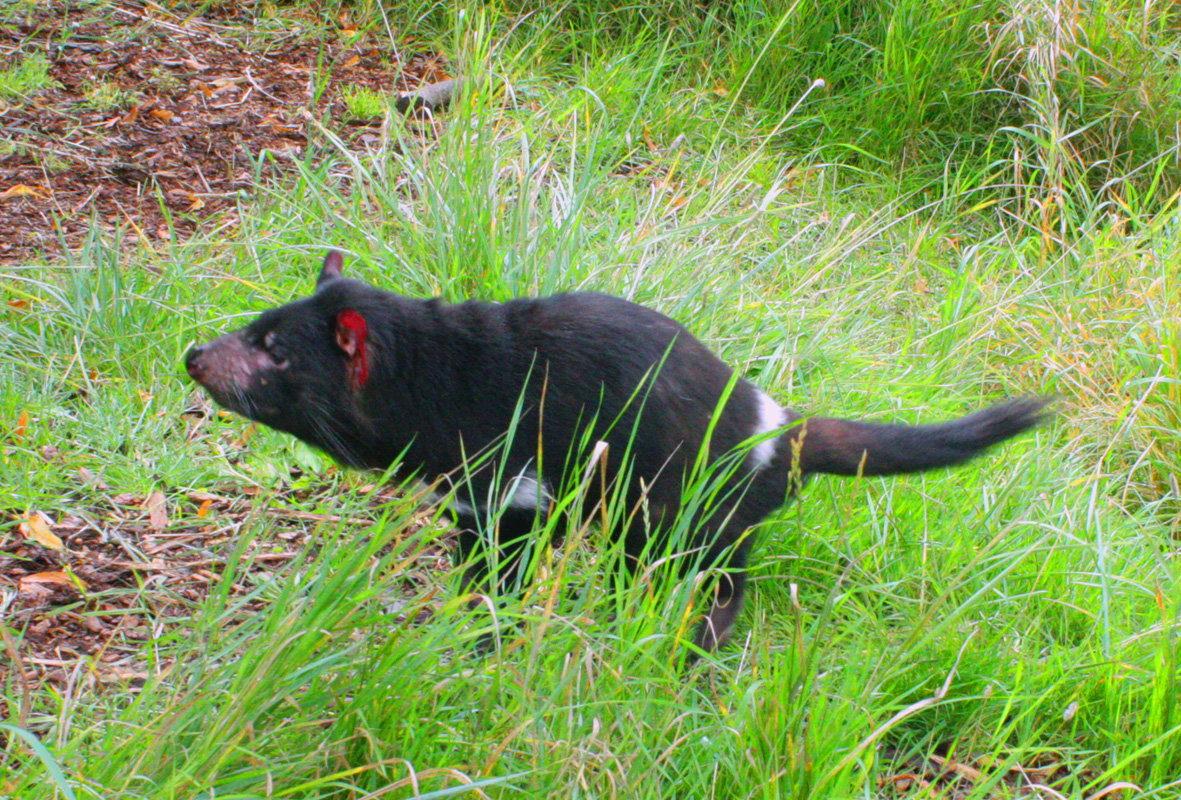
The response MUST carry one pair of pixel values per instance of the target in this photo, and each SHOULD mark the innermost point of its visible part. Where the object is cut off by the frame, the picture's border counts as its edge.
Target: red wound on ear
(352, 333)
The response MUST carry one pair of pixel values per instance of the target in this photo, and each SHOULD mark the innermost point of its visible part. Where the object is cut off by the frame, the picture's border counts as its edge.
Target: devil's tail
(845, 447)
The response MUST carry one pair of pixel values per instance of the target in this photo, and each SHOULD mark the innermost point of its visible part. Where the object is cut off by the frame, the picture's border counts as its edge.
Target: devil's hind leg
(727, 589)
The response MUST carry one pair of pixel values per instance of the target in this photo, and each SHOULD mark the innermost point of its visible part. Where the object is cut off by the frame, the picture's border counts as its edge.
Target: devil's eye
(274, 347)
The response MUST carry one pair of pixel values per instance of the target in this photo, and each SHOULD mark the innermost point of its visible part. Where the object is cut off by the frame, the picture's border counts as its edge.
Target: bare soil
(158, 123)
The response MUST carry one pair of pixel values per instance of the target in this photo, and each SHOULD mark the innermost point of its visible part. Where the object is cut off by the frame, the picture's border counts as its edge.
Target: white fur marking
(525, 492)
(450, 500)
(771, 416)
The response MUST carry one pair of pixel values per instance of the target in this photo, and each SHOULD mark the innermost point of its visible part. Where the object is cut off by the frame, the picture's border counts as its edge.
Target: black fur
(437, 385)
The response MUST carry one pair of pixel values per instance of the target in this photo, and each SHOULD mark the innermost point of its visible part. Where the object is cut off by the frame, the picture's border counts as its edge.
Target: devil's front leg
(495, 556)
(493, 552)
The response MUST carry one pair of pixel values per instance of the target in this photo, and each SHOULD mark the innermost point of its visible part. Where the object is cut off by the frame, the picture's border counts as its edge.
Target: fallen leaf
(144, 397)
(647, 136)
(34, 526)
(157, 511)
(163, 114)
(22, 422)
(354, 59)
(21, 190)
(246, 435)
(203, 509)
(57, 577)
(131, 116)
(951, 765)
(18, 303)
(122, 675)
(90, 479)
(279, 125)
(197, 203)
(37, 590)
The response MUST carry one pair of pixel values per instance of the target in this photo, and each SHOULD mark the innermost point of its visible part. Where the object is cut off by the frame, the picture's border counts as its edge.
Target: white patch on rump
(449, 499)
(524, 491)
(771, 417)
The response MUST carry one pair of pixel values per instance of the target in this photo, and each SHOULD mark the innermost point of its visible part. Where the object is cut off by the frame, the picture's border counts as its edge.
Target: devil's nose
(193, 362)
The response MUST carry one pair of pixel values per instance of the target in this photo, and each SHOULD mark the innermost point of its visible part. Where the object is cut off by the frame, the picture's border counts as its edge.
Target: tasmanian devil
(577, 389)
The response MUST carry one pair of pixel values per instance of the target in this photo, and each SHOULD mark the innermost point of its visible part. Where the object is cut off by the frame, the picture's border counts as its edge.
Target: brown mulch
(1040, 776)
(208, 107)
(80, 595)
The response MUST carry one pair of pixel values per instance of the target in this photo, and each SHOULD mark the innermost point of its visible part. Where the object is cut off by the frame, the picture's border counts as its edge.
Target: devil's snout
(226, 366)
(193, 362)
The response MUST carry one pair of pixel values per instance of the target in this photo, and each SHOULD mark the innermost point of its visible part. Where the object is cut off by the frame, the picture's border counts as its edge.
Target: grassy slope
(1019, 609)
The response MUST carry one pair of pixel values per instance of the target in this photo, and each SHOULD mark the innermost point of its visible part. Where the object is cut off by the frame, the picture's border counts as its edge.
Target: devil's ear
(352, 336)
(331, 269)
(351, 332)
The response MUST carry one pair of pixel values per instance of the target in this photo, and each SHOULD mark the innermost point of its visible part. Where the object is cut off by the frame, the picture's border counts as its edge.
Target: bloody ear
(331, 269)
(352, 336)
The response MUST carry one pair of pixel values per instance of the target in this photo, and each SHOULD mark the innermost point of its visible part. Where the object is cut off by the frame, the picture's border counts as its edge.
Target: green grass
(28, 76)
(1017, 612)
(364, 103)
(106, 96)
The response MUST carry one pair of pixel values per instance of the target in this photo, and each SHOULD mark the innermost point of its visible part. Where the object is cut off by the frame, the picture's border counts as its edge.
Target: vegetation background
(889, 210)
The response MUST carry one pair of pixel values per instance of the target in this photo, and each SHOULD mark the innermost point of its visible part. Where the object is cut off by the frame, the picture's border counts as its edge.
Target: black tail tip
(1036, 409)
(1014, 416)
